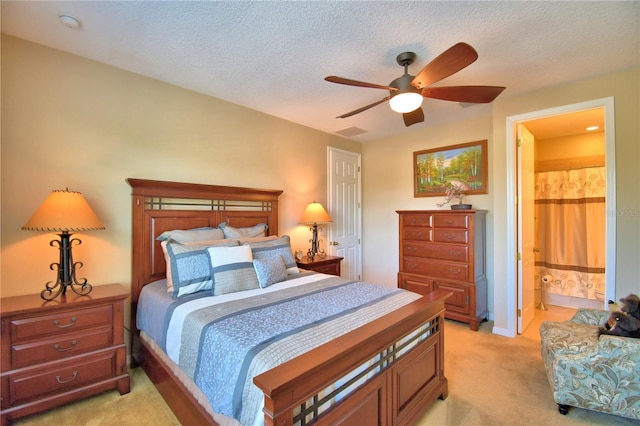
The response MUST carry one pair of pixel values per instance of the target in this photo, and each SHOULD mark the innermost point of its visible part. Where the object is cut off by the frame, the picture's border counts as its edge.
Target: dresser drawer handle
(449, 221)
(449, 236)
(412, 265)
(62, 382)
(57, 323)
(416, 234)
(412, 249)
(59, 349)
(416, 221)
(455, 271)
(455, 253)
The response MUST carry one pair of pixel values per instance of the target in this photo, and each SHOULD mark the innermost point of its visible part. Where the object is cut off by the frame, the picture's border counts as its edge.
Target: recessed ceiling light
(592, 128)
(69, 21)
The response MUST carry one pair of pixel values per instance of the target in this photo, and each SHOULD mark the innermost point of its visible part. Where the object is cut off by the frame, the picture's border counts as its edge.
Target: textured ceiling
(273, 56)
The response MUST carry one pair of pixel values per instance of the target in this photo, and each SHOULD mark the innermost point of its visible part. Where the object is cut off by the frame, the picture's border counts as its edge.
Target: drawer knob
(62, 382)
(412, 249)
(455, 253)
(449, 221)
(59, 349)
(416, 234)
(57, 323)
(416, 221)
(449, 236)
(455, 271)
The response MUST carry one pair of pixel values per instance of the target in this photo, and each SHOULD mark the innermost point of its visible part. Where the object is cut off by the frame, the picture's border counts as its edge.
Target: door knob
(536, 250)
(334, 243)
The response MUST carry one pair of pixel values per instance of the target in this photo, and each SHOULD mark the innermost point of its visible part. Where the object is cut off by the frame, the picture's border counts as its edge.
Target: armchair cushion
(590, 371)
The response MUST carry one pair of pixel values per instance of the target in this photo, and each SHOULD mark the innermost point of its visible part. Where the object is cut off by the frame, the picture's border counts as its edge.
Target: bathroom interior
(570, 214)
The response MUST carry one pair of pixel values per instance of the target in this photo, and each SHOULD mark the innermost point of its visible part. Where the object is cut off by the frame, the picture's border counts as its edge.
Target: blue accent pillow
(270, 270)
(188, 267)
(279, 247)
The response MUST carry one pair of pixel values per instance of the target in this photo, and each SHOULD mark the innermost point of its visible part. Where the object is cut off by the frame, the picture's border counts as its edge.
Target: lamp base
(66, 271)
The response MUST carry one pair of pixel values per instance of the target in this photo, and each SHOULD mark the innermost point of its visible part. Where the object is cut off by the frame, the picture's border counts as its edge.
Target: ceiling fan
(406, 92)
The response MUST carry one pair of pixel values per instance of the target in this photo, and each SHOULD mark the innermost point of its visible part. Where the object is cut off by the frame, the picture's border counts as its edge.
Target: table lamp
(64, 212)
(313, 215)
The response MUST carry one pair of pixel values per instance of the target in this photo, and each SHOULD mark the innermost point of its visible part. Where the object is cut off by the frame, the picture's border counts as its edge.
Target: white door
(343, 203)
(526, 234)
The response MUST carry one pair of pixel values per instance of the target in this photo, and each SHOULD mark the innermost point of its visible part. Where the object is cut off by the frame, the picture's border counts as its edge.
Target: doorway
(522, 297)
(344, 202)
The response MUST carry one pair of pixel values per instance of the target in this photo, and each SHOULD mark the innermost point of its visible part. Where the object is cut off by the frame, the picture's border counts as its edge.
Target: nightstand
(59, 351)
(329, 265)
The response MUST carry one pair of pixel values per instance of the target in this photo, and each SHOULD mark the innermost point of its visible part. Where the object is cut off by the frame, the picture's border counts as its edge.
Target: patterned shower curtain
(570, 230)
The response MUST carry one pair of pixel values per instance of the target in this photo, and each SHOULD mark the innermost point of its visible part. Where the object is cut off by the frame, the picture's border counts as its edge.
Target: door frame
(610, 203)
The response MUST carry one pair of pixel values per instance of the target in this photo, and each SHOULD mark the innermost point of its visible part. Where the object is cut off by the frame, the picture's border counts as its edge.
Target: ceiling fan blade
(470, 94)
(413, 117)
(349, 82)
(364, 108)
(447, 63)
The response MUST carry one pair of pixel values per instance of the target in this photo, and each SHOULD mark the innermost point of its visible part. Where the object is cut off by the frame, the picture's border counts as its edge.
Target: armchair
(600, 373)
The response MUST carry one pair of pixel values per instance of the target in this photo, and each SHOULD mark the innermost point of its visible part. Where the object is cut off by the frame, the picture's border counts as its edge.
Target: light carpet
(493, 380)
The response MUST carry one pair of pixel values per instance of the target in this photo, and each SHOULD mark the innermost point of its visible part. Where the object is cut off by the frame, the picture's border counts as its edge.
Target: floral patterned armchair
(600, 373)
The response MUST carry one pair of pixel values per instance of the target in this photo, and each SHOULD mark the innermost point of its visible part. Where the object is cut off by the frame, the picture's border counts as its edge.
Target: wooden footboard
(402, 382)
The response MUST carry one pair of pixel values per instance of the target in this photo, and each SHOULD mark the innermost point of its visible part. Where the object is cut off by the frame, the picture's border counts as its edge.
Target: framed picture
(464, 164)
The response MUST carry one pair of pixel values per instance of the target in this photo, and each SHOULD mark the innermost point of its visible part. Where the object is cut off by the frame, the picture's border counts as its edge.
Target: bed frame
(404, 381)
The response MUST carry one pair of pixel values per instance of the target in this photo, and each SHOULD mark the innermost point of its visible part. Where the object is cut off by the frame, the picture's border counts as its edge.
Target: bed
(386, 368)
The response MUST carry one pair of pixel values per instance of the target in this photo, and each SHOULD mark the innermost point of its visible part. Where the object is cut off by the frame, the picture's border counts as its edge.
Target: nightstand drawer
(58, 347)
(61, 377)
(63, 322)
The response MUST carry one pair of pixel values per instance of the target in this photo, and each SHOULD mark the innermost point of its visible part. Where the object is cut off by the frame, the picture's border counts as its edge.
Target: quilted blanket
(222, 346)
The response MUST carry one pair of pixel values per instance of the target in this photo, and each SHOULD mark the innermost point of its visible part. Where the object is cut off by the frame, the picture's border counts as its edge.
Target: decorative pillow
(232, 269)
(188, 267)
(270, 270)
(259, 230)
(192, 235)
(257, 239)
(278, 247)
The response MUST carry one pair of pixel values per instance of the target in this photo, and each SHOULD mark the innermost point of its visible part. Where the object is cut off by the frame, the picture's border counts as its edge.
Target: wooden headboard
(159, 206)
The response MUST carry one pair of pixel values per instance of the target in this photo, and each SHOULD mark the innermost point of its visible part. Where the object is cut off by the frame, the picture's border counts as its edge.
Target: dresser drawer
(417, 234)
(419, 220)
(451, 221)
(458, 253)
(433, 268)
(61, 346)
(61, 377)
(460, 236)
(62, 322)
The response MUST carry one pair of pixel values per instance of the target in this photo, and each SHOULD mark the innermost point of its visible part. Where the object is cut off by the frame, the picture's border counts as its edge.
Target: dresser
(59, 351)
(327, 265)
(445, 249)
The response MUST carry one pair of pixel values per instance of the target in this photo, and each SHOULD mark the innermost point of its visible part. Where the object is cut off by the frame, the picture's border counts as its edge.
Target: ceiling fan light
(406, 102)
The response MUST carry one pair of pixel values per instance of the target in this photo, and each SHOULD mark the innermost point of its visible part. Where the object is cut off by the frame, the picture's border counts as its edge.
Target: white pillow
(259, 230)
(192, 235)
(232, 269)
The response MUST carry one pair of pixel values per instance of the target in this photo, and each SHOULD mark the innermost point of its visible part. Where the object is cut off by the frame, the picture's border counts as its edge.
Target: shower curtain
(570, 235)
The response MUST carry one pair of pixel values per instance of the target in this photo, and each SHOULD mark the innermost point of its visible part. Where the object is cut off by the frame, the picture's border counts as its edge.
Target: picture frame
(463, 164)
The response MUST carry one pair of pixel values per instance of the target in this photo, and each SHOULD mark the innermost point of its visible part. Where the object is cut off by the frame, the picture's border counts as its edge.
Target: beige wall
(388, 186)
(624, 87)
(71, 122)
(387, 183)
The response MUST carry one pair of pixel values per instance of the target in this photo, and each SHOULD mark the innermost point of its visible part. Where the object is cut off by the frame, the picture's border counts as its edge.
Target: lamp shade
(64, 211)
(315, 213)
